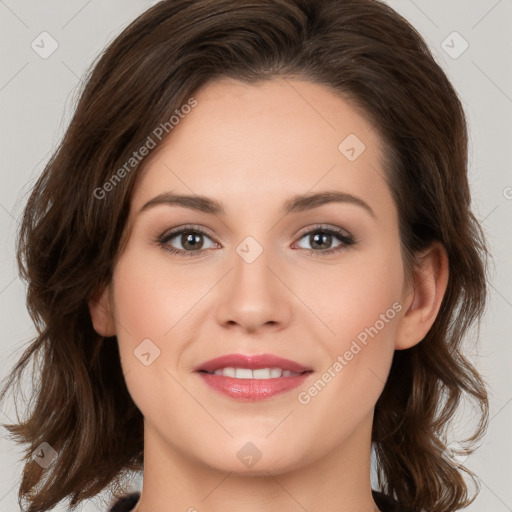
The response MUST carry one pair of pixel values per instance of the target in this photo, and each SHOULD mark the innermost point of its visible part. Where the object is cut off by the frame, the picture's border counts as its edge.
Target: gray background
(37, 97)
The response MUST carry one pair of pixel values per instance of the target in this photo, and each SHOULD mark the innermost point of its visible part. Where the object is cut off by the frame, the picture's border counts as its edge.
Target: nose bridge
(252, 261)
(253, 296)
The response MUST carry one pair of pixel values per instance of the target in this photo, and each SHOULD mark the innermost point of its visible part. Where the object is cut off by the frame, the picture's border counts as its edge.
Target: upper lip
(251, 361)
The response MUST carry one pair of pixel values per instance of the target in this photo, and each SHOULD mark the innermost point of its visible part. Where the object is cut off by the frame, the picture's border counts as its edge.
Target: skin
(252, 147)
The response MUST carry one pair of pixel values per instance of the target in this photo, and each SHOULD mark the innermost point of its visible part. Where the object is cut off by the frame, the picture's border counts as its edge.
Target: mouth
(252, 377)
(257, 373)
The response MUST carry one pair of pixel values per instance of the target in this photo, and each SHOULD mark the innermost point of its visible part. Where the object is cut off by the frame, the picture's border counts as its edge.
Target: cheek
(360, 302)
(353, 295)
(148, 305)
(151, 296)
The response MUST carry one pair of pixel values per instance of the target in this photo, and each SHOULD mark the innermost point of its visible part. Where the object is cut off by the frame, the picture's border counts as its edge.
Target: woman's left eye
(192, 240)
(322, 236)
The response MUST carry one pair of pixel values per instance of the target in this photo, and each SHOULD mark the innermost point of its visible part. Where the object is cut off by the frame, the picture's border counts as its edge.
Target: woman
(251, 261)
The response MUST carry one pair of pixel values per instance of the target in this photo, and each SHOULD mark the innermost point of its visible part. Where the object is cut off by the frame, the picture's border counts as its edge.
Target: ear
(423, 296)
(101, 314)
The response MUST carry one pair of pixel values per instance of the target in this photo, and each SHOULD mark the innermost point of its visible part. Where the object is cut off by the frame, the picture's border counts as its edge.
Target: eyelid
(176, 230)
(327, 227)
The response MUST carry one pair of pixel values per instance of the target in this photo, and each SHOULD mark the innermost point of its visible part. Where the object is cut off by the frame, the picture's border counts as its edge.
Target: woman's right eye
(191, 241)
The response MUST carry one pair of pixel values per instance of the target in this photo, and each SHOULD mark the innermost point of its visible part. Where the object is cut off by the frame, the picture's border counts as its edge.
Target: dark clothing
(385, 503)
(126, 503)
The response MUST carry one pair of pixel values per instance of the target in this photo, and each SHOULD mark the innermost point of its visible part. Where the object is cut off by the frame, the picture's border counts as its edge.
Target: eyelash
(345, 239)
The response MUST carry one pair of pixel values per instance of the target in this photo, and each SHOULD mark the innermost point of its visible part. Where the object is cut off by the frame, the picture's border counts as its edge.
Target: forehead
(250, 143)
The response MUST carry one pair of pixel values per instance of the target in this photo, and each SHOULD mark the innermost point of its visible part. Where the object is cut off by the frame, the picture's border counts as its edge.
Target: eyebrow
(295, 204)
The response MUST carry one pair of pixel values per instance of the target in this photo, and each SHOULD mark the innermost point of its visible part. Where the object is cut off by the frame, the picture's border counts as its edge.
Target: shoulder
(126, 503)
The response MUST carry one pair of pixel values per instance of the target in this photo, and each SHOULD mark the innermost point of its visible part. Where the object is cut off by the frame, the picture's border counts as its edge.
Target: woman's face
(276, 272)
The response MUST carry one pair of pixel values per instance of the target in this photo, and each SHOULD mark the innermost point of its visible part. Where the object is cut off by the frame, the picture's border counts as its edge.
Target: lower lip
(252, 389)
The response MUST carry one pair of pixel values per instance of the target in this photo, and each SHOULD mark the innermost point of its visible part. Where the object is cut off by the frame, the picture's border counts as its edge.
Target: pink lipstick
(252, 377)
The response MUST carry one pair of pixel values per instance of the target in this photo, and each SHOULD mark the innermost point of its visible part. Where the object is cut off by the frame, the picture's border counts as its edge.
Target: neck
(339, 481)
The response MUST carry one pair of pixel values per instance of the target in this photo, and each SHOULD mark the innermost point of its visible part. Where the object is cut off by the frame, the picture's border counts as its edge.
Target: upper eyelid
(179, 229)
(326, 227)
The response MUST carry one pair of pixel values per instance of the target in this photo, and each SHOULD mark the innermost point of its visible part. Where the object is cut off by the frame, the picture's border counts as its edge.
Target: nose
(254, 296)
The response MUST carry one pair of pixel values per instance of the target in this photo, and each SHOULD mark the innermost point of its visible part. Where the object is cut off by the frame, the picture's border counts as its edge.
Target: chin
(253, 458)
(260, 468)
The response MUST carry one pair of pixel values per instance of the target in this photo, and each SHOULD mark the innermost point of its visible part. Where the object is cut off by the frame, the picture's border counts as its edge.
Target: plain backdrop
(37, 97)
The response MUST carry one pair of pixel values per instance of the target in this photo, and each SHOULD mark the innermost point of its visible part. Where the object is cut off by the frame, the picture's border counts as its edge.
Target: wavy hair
(69, 236)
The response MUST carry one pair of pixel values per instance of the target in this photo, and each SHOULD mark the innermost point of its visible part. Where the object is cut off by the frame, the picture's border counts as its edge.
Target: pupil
(190, 238)
(326, 237)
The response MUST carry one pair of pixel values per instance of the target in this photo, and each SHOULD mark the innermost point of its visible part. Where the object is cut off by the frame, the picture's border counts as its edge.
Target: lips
(244, 377)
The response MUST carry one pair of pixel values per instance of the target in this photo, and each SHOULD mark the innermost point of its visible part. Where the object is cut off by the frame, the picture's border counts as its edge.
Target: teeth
(265, 373)
(243, 373)
(275, 372)
(229, 372)
(261, 373)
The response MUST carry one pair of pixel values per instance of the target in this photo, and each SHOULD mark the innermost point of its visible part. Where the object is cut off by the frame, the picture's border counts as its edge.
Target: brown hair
(69, 238)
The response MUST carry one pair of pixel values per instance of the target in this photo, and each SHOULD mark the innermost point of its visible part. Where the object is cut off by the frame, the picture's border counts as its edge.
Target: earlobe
(101, 315)
(423, 299)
